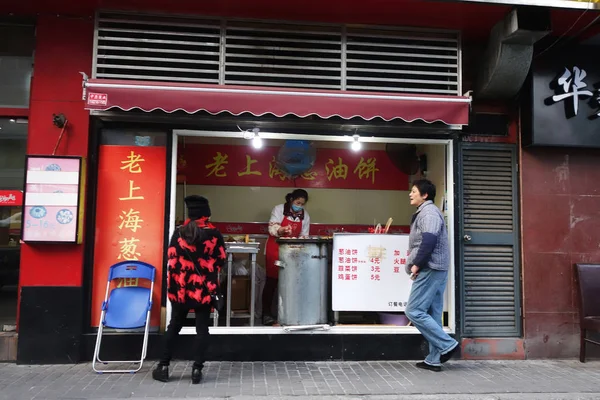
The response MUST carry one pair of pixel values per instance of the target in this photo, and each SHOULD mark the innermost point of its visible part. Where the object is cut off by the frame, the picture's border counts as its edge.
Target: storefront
(176, 110)
(359, 148)
(560, 189)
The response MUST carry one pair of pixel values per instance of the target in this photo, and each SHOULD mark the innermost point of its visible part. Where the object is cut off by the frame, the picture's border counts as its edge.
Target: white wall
(326, 206)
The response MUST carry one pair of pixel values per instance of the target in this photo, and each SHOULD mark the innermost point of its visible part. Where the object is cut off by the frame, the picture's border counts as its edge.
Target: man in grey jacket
(427, 264)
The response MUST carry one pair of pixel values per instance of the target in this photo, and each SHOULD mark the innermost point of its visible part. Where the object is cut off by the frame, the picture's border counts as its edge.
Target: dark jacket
(187, 283)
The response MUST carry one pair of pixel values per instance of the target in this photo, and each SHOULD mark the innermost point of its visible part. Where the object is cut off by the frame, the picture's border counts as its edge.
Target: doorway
(13, 148)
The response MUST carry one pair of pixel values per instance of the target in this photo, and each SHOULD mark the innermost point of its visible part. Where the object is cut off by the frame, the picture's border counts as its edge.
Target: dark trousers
(178, 315)
(268, 294)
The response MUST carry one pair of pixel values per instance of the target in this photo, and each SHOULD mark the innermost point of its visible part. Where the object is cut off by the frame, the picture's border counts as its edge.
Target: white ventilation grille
(334, 57)
(284, 56)
(402, 61)
(163, 49)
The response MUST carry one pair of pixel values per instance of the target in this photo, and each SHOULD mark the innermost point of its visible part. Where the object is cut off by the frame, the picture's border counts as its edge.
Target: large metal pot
(303, 288)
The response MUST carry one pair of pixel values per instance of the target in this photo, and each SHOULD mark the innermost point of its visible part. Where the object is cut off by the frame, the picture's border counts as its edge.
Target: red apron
(273, 247)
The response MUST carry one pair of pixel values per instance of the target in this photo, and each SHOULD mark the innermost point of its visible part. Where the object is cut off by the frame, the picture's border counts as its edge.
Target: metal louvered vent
(402, 61)
(488, 191)
(287, 55)
(150, 48)
(490, 255)
(490, 289)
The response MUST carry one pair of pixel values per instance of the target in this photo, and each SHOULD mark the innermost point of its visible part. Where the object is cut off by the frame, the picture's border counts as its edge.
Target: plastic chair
(126, 308)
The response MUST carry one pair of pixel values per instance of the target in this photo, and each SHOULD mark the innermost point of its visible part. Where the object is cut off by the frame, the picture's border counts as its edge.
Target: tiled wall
(561, 226)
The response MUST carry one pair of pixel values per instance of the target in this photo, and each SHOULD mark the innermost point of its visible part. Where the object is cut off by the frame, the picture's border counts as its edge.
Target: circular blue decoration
(53, 167)
(64, 216)
(38, 212)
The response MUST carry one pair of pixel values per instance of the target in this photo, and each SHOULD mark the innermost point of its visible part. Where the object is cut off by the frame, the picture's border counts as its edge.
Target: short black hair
(425, 187)
(296, 194)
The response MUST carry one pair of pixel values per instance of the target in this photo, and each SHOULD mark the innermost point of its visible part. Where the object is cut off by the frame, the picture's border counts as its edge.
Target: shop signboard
(53, 206)
(129, 217)
(565, 100)
(213, 164)
(368, 272)
(11, 198)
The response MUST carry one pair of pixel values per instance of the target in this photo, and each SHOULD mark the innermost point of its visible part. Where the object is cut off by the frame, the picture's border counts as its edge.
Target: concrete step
(8, 346)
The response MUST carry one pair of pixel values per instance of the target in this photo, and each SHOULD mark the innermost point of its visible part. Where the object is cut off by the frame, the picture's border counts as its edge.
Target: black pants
(268, 294)
(178, 315)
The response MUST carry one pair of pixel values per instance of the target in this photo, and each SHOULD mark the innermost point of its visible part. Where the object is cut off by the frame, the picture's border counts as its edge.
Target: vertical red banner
(129, 217)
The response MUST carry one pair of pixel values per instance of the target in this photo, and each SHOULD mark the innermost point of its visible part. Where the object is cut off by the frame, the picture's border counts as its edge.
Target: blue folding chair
(126, 308)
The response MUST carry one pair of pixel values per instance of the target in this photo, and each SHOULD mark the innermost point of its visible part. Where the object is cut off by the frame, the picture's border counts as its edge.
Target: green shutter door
(490, 274)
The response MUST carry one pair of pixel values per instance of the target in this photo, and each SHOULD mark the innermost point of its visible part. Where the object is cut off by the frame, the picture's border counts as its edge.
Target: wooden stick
(387, 226)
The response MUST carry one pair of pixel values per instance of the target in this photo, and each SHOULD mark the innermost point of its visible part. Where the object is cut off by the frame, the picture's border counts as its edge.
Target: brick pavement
(379, 380)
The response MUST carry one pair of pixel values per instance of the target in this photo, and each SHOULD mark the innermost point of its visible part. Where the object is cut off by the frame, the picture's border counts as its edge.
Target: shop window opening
(357, 187)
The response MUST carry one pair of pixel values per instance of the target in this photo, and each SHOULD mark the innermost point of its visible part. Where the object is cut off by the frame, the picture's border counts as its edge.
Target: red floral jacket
(185, 284)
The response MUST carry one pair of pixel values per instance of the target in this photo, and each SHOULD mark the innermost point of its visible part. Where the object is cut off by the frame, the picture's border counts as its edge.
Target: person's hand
(284, 230)
(415, 271)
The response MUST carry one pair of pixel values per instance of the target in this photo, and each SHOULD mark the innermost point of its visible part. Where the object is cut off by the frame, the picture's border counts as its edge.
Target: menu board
(369, 272)
(53, 199)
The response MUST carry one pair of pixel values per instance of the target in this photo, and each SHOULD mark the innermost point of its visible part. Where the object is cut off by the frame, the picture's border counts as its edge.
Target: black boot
(196, 375)
(161, 373)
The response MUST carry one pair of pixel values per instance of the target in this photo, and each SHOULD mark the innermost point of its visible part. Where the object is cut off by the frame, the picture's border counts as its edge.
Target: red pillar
(51, 296)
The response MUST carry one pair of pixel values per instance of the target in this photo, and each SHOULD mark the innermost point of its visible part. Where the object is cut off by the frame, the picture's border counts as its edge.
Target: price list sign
(369, 272)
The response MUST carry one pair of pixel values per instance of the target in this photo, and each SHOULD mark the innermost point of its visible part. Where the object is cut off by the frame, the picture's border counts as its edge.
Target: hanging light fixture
(356, 145)
(256, 140)
(254, 136)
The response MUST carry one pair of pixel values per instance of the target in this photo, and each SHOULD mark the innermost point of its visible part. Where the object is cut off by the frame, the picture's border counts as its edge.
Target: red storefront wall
(63, 48)
(556, 183)
(561, 226)
(50, 287)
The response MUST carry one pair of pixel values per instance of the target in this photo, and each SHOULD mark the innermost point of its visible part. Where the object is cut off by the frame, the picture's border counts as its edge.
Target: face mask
(296, 208)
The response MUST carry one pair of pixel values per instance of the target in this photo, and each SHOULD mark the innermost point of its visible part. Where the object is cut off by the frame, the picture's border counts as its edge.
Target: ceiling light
(256, 140)
(356, 145)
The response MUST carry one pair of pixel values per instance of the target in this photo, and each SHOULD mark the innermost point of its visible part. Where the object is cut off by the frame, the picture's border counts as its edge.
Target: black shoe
(268, 320)
(161, 373)
(448, 355)
(196, 375)
(434, 368)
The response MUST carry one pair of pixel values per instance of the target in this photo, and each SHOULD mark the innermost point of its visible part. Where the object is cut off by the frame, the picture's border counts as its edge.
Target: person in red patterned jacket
(191, 283)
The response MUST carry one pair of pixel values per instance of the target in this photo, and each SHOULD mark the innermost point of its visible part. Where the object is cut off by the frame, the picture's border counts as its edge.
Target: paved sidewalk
(377, 380)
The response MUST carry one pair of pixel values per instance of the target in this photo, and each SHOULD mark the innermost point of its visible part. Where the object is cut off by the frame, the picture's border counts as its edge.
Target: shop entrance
(353, 188)
(13, 145)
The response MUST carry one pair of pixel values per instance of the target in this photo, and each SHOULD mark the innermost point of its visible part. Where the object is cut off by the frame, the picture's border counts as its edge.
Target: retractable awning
(102, 95)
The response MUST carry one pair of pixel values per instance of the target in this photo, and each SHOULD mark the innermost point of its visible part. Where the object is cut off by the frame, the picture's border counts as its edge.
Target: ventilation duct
(509, 53)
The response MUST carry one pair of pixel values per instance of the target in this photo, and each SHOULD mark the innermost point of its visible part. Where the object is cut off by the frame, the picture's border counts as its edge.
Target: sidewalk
(376, 380)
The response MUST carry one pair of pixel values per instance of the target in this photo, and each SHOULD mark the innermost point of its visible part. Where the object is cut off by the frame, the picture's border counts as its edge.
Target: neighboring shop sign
(565, 95)
(245, 166)
(11, 198)
(129, 217)
(368, 272)
(53, 206)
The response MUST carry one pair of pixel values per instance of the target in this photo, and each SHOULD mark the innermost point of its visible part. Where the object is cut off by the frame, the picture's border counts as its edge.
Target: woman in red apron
(291, 220)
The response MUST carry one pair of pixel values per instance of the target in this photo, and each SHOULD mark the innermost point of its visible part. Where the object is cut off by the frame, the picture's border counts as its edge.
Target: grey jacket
(428, 239)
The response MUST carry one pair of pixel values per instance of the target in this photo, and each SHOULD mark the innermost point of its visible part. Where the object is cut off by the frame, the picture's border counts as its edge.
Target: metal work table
(239, 248)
